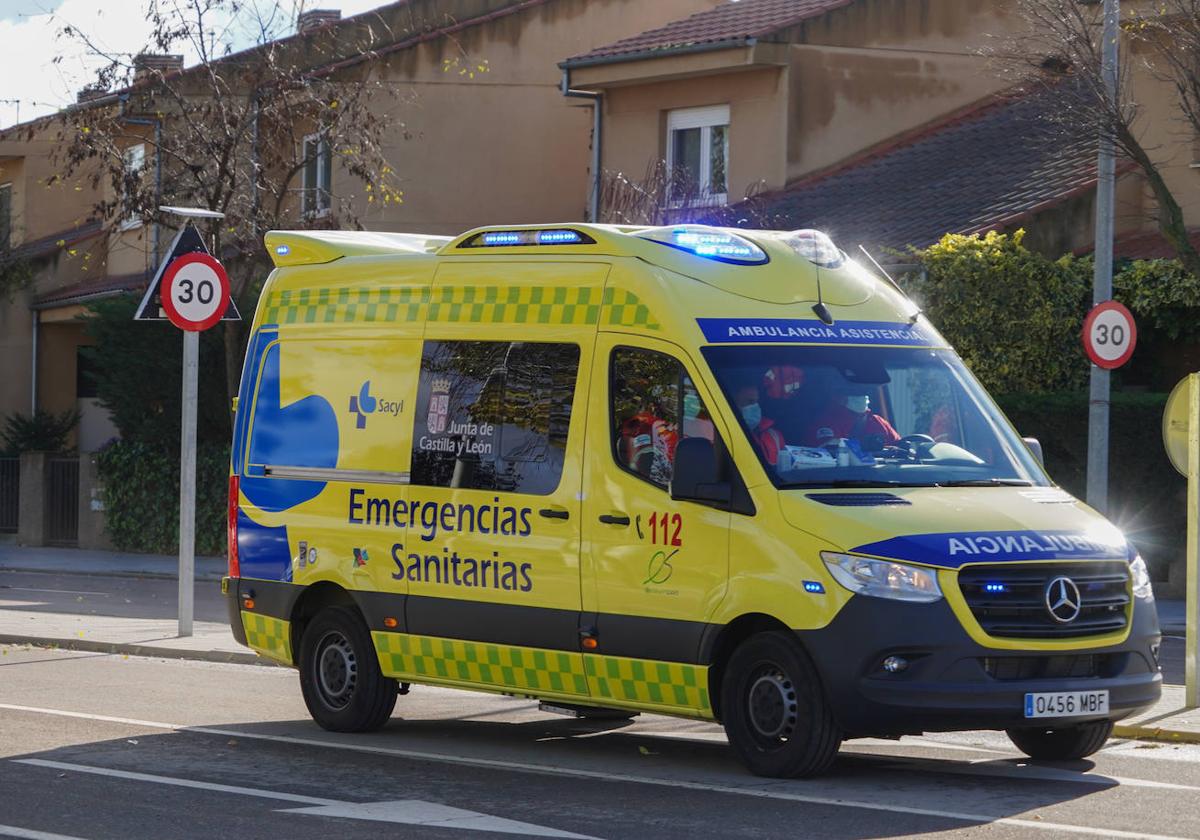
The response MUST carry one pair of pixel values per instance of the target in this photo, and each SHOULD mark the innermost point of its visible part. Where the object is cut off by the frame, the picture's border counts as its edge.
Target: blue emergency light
(994, 588)
(710, 243)
(814, 586)
(516, 238)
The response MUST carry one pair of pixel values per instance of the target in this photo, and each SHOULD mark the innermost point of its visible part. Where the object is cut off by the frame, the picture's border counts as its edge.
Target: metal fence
(10, 494)
(62, 501)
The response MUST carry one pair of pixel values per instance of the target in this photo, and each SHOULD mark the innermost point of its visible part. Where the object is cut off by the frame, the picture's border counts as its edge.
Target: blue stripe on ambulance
(955, 549)
(808, 331)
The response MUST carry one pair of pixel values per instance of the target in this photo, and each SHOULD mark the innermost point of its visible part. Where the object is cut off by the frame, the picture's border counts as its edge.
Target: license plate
(1059, 704)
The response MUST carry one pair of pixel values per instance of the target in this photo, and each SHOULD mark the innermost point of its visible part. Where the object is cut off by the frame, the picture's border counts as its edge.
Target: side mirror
(695, 476)
(1035, 447)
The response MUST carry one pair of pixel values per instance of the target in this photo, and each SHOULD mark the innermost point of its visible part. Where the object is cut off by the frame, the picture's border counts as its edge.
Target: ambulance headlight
(883, 578)
(1141, 579)
(816, 247)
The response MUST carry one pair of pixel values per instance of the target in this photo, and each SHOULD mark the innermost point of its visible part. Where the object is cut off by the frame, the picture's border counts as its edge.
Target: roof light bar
(710, 243)
(816, 247)
(503, 238)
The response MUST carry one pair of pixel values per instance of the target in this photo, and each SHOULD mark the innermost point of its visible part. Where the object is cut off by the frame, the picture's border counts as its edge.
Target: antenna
(912, 319)
(819, 307)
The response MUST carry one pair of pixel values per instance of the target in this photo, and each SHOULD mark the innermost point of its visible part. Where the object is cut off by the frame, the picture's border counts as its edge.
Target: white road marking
(30, 834)
(419, 812)
(550, 770)
(58, 591)
(170, 780)
(406, 811)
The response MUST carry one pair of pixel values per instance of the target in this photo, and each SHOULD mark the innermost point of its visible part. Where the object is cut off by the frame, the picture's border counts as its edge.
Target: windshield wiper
(987, 482)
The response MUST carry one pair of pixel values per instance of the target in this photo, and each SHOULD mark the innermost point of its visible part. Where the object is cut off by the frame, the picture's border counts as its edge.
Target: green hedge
(141, 497)
(1147, 497)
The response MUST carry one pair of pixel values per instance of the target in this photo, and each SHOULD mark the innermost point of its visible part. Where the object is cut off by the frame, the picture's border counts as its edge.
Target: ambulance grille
(1054, 667)
(1009, 600)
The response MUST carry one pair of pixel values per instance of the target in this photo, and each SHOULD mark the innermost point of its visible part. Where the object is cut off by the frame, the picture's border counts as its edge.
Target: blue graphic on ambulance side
(807, 331)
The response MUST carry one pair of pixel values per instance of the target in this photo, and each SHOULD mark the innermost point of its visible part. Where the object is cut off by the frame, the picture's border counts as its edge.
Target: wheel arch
(312, 600)
(720, 644)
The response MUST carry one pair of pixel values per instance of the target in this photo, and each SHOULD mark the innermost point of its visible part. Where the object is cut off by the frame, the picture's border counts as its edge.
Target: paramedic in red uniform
(849, 415)
(762, 429)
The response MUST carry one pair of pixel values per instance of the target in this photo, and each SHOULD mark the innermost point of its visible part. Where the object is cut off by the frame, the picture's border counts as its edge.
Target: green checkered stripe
(460, 304)
(344, 305)
(625, 309)
(646, 681)
(272, 637)
(528, 669)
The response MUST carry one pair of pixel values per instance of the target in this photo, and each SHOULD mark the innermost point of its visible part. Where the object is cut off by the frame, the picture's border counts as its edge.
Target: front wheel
(343, 687)
(1065, 743)
(774, 709)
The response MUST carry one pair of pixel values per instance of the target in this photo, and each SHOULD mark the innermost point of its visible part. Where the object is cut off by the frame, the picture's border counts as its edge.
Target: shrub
(141, 496)
(1012, 314)
(1147, 497)
(41, 432)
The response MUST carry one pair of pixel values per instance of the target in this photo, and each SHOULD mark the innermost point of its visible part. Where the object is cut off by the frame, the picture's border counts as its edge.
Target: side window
(493, 415)
(653, 402)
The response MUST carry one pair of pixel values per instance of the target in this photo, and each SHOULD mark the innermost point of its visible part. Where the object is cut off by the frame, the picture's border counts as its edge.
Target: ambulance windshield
(870, 416)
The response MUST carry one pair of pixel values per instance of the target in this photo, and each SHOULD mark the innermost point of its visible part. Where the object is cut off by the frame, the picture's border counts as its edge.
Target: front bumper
(953, 683)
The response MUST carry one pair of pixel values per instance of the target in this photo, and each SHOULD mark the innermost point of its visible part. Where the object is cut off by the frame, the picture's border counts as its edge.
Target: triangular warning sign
(187, 241)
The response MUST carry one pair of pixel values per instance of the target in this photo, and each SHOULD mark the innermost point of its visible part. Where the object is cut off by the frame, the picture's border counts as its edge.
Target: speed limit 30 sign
(1109, 335)
(194, 292)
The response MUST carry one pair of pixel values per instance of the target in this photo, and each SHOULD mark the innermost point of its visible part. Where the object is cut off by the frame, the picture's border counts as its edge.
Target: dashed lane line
(30, 834)
(619, 778)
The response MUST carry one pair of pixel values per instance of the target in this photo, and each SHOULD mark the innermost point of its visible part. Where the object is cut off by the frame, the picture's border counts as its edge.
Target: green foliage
(141, 496)
(1147, 497)
(138, 376)
(15, 275)
(41, 432)
(1162, 296)
(1012, 314)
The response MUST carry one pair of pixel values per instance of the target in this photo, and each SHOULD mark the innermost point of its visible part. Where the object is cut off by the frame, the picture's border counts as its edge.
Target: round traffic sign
(1109, 335)
(1176, 424)
(195, 292)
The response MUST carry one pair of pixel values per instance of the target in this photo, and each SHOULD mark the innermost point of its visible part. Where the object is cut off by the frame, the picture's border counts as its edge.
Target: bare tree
(264, 134)
(1062, 46)
(662, 196)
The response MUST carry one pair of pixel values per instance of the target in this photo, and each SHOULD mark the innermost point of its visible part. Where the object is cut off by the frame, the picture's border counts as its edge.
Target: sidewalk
(212, 641)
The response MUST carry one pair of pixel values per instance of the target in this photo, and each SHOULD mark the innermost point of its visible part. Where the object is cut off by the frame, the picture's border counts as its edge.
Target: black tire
(343, 687)
(775, 711)
(1065, 743)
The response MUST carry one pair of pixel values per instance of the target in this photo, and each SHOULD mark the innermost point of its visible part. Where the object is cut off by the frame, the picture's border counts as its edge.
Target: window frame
(705, 118)
(311, 194)
(6, 225)
(130, 220)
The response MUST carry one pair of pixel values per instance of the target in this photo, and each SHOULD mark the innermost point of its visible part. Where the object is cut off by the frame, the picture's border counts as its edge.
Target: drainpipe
(157, 167)
(33, 373)
(597, 112)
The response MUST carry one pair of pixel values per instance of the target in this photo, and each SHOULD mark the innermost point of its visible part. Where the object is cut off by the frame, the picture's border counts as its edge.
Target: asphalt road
(98, 746)
(106, 595)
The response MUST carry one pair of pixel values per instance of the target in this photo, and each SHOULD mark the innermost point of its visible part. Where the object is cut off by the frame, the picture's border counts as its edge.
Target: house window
(135, 162)
(698, 154)
(318, 175)
(5, 216)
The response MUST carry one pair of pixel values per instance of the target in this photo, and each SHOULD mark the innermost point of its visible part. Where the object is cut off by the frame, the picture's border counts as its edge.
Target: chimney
(316, 18)
(147, 64)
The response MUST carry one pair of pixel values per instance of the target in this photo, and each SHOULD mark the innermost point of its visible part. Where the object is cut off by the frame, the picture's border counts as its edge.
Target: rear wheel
(343, 687)
(775, 712)
(1064, 743)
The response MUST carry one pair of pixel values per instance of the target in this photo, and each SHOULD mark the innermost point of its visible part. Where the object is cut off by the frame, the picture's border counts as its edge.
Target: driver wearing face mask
(762, 429)
(849, 416)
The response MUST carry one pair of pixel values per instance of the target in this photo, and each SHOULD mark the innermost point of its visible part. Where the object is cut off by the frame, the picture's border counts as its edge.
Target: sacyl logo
(362, 405)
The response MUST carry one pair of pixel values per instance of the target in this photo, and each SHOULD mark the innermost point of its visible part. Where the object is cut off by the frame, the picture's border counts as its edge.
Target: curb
(137, 649)
(1156, 733)
(203, 577)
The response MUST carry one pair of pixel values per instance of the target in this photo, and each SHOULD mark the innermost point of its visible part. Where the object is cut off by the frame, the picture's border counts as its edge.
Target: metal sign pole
(187, 482)
(1192, 643)
(1097, 458)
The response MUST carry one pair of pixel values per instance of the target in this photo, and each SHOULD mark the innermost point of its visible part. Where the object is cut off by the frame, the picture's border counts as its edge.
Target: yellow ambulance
(725, 475)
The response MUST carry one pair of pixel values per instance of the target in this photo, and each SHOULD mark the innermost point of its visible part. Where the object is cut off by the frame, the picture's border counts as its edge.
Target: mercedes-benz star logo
(1063, 600)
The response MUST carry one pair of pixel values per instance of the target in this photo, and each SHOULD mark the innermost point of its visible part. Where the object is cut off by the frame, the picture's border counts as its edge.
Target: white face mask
(859, 404)
(752, 414)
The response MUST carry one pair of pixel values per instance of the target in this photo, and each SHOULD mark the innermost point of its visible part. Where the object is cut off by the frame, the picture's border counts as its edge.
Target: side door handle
(555, 513)
(617, 519)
